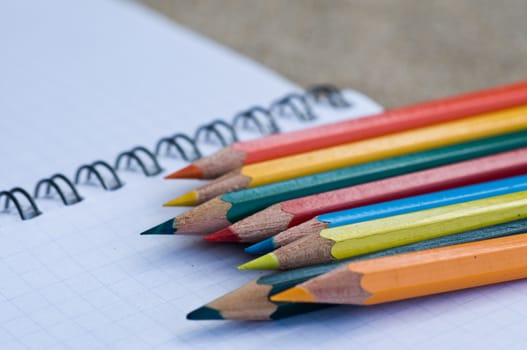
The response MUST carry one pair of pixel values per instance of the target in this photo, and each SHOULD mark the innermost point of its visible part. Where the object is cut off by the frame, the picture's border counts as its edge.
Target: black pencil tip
(162, 229)
(205, 313)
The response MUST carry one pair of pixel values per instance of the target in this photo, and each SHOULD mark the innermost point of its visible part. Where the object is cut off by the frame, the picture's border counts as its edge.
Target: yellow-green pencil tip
(296, 294)
(265, 262)
(186, 200)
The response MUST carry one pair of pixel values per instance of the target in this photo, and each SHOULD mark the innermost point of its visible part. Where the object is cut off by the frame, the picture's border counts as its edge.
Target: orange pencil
(416, 274)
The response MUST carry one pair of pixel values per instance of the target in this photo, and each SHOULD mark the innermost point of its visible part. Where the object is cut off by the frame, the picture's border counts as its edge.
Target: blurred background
(398, 52)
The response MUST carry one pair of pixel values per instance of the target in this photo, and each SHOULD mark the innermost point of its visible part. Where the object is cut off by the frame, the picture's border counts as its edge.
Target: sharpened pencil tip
(187, 200)
(190, 172)
(166, 228)
(296, 295)
(224, 235)
(263, 247)
(204, 313)
(265, 262)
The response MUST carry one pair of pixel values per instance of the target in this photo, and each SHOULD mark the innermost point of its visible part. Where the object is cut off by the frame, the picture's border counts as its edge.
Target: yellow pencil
(392, 145)
(416, 274)
(370, 236)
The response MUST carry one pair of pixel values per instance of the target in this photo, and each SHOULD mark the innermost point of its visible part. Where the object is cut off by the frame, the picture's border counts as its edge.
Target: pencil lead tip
(165, 228)
(263, 247)
(187, 200)
(224, 235)
(296, 294)
(204, 313)
(265, 262)
(189, 172)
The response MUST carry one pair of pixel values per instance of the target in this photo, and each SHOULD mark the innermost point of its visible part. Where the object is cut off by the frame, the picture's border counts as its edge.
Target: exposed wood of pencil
(417, 274)
(365, 237)
(310, 250)
(404, 118)
(308, 228)
(370, 150)
(229, 182)
(251, 301)
(265, 222)
(252, 295)
(204, 218)
(441, 178)
(220, 163)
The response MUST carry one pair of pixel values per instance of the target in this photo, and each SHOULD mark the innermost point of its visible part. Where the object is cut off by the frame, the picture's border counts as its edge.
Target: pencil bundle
(410, 202)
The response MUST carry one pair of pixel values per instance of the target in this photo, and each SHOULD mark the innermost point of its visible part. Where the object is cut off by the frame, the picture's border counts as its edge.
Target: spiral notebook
(109, 94)
(99, 99)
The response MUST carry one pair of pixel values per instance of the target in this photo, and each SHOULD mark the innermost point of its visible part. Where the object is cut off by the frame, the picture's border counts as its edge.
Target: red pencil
(281, 216)
(396, 120)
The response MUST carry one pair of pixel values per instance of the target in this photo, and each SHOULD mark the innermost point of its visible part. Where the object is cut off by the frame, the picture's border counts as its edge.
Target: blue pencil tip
(263, 247)
(166, 228)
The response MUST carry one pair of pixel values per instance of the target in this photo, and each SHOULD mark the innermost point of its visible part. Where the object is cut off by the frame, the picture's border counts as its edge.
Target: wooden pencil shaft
(308, 228)
(386, 146)
(222, 162)
(424, 273)
(214, 210)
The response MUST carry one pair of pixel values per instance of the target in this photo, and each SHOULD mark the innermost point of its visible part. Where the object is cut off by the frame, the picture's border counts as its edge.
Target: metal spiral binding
(180, 142)
(92, 169)
(134, 154)
(67, 198)
(24, 214)
(264, 121)
(253, 116)
(213, 130)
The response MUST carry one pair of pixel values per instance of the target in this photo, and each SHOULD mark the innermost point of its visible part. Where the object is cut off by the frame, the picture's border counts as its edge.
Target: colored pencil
(417, 274)
(251, 301)
(396, 120)
(365, 237)
(337, 157)
(281, 216)
(391, 208)
(229, 208)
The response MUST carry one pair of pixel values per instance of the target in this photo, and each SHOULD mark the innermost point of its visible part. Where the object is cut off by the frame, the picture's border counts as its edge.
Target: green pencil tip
(204, 313)
(265, 262)
(166, 228)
